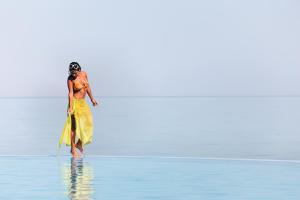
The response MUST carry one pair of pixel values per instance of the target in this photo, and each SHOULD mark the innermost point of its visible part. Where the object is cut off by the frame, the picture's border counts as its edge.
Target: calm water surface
(234, 127)
(122, 178)
(150, 148)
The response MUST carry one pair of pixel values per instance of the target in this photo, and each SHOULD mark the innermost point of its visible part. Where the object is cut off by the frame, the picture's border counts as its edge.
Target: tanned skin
(78, 93)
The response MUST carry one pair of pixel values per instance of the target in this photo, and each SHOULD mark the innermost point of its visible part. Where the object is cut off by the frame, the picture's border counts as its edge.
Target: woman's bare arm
(70, 95)
(88, 89)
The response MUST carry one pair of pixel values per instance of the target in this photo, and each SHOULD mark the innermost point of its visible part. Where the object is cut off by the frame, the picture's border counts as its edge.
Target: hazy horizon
(157, 48)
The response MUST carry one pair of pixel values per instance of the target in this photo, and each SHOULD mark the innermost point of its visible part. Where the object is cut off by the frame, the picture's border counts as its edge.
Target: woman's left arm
(89, 91)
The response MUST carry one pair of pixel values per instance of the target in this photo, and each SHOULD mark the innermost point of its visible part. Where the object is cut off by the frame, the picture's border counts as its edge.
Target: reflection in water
(78, 178)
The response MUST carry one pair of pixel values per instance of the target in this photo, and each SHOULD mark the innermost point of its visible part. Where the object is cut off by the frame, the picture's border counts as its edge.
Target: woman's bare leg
(73, 134)
(73, 148)
(79, 145)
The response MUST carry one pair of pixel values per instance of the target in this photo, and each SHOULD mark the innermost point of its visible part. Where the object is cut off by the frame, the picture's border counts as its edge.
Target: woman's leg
(79, 145)
(73, 134)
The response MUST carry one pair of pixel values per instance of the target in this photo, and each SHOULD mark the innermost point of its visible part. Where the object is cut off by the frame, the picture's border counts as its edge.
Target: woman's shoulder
(83, 72)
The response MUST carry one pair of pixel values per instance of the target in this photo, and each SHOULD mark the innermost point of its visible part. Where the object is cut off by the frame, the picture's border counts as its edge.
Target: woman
(78, 128)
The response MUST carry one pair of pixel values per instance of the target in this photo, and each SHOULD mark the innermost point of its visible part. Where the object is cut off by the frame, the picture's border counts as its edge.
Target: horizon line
(159, 157)
(154, 96)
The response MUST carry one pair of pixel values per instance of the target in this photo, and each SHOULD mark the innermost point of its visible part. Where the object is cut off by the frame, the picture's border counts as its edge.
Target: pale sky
(151, 48)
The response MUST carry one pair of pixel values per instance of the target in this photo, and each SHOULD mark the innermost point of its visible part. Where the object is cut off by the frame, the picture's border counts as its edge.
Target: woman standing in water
(78, 128)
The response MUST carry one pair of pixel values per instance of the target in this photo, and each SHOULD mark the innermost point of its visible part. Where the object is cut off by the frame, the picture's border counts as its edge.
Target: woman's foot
(79, 146)
(74, 153)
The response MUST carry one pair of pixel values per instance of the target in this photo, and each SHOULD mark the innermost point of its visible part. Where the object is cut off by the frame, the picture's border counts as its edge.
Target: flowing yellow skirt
(83, 124)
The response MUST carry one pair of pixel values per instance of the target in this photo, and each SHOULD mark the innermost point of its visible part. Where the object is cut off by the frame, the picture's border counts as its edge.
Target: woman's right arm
(70, 96)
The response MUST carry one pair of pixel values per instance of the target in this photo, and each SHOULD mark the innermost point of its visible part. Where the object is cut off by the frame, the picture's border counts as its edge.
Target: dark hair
(74, 66)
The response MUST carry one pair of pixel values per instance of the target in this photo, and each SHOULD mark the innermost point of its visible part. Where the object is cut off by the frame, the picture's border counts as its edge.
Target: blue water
(234, 127)
(150, 148)
(122, 178)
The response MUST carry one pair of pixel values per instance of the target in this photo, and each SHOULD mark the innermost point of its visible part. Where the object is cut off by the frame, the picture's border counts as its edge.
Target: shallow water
(116, 178)
(150, 148)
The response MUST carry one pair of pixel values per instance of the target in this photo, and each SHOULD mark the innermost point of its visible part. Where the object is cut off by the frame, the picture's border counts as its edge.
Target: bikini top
(78, 85)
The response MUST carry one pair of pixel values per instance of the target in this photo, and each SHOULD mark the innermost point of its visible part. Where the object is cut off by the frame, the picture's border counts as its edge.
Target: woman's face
(74, 73)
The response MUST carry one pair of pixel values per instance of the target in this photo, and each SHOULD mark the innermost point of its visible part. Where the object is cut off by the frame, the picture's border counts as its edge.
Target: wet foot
(79, 146)
(74, 154)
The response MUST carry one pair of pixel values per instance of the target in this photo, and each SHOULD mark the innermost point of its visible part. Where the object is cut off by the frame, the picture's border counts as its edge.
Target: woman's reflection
(78, 178)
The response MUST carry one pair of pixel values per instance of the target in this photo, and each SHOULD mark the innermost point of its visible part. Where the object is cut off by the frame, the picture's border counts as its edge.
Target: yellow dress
(84, 124)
